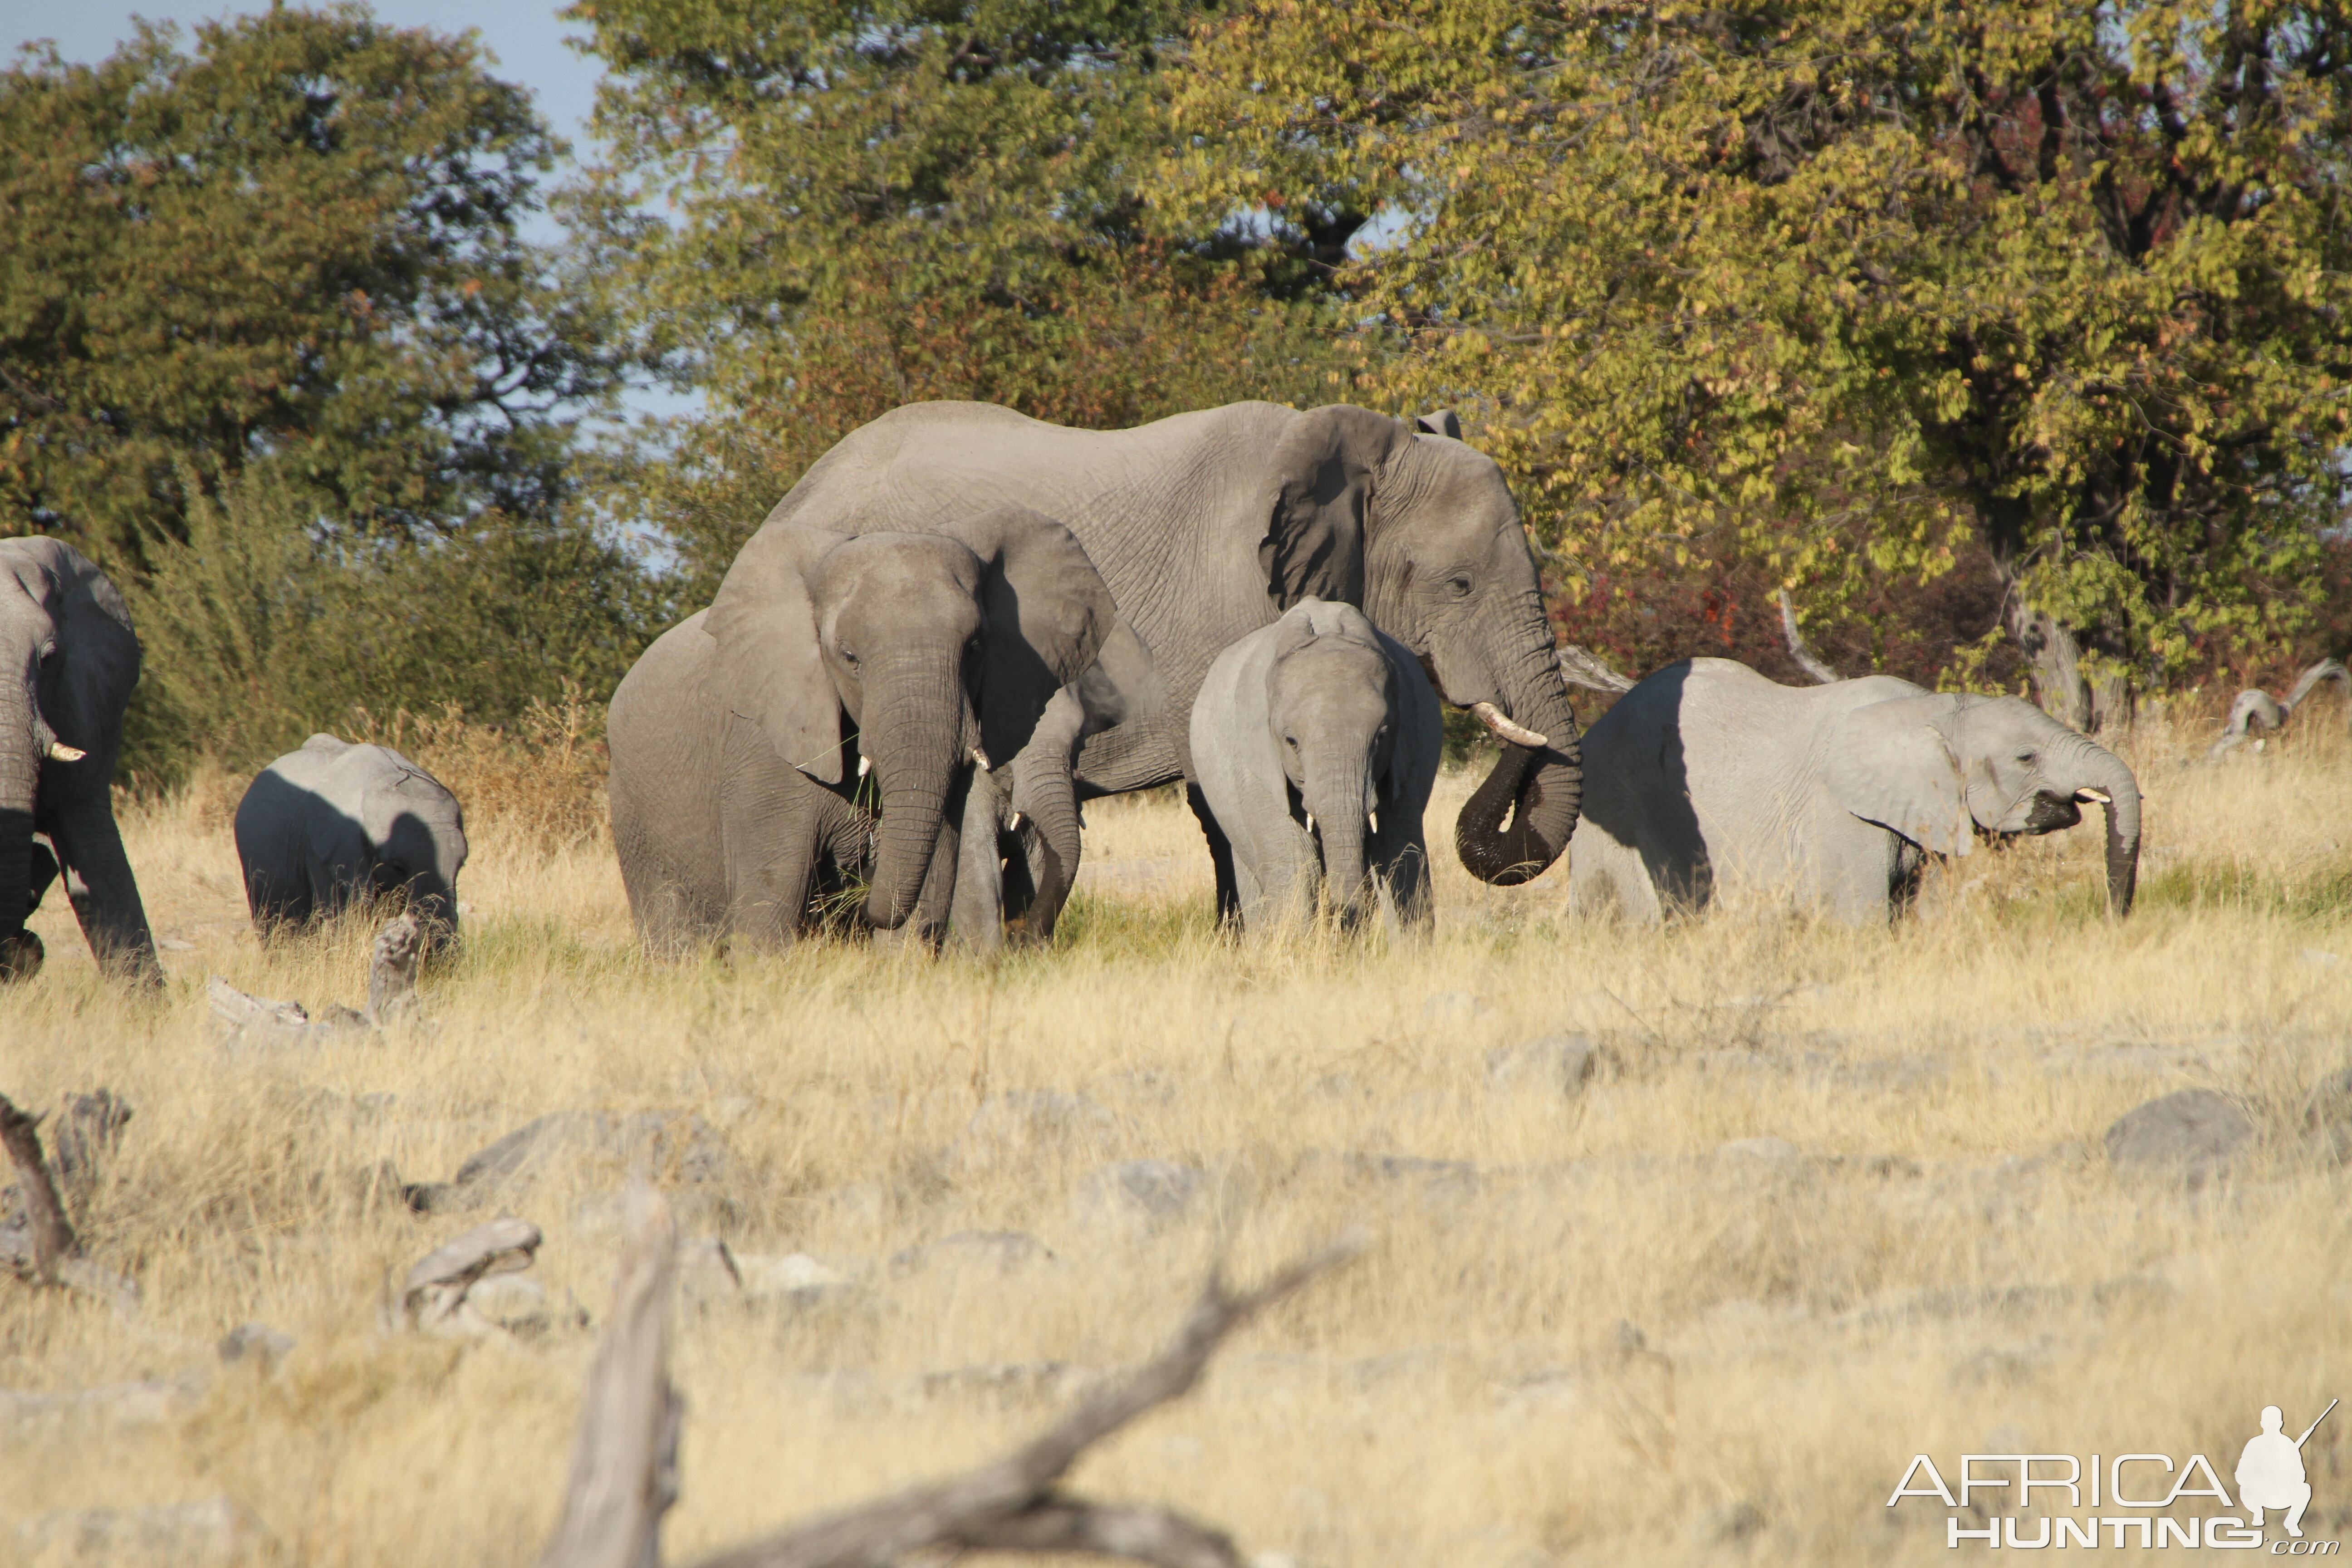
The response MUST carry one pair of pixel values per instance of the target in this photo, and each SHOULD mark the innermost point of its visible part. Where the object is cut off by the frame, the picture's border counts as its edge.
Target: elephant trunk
(1540, 790)
(20, 769)
(919, 730)
(1051, 797)
(2102, 773)
(1336, 805)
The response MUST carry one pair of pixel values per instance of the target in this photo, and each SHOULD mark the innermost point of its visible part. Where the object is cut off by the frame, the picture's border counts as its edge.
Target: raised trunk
(1538, 792)
(915, 732)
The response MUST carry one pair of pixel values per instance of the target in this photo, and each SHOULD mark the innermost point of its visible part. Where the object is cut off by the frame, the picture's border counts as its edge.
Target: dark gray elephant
(1209, 525)
(742, 739)
(1021, 829)
(1317, 740)
(71, 659)
(337, 823)
(1707, 777)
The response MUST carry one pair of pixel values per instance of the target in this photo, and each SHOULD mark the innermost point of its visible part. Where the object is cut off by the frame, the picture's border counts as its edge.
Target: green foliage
(1827, 286)
(294, 249)
(877, 205)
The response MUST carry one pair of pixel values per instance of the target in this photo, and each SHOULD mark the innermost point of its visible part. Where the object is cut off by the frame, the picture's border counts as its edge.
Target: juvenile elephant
(1021, 842)
(1318, 739)
(335, 824)
(68, 660)
(925, 652)
(1707, 775)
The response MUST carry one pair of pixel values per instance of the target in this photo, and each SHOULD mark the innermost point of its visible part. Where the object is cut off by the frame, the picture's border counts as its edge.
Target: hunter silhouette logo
(1993, 1497)
(2270, 1472)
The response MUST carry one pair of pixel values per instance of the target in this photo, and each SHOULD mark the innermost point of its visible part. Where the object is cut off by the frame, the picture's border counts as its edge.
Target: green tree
(1832, 284)
(875, 204)
(294, 247)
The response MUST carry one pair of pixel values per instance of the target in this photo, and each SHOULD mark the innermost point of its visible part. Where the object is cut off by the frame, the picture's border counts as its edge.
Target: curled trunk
(1518, 821)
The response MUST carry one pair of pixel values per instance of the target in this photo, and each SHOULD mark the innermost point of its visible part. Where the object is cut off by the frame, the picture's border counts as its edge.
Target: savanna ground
(1944, 1262)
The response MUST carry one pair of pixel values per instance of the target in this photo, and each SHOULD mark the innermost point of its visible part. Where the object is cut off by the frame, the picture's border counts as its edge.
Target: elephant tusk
(1518, 734)
(62, 752)
(2102, 796)
(865, 766)
(1310, 822)
(1012, 822)
(980, 758)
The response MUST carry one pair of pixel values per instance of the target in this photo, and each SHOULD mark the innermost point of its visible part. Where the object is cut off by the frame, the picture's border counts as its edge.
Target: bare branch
(2256, 709)
(1582, 667)
(52, 1235)
(625, 1459)
(1822, 673)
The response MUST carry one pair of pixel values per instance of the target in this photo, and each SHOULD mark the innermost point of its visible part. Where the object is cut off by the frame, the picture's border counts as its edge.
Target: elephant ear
(770, 668)
(1321, 475)
(1047, 611)
(96, 663)
(1123, 683)
(1441, 422)
(1891, 766)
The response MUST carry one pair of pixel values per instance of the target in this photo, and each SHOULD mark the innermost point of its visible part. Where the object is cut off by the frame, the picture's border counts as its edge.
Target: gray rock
(1023, 1126)
(795, 1278)
(1137, 1199)
(2194, 1130)
(257, 1342)
(183, 1534)
(139, 1403)
(86, 1134)
(975, 1252)
(1555, 1064)
(510, 1301)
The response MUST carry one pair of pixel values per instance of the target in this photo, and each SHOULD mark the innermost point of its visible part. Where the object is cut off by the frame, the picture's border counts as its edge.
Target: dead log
(1822, 673)
(2256, 709)
(623, 1464)
(625, 1459)
(51, 1234)
(433, 1296)
(1580, 666)
(391, 970)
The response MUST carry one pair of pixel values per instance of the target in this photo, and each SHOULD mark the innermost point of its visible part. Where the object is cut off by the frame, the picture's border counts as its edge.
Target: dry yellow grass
(1948, 1264)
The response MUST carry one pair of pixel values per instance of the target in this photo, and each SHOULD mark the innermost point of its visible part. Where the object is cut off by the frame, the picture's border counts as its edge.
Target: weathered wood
(2256, 709)
(392, 969)
(1822, 673)
(1579, 667)
(436, 1287)
(625, 1459)
(51, 1234)
(1010, 1504)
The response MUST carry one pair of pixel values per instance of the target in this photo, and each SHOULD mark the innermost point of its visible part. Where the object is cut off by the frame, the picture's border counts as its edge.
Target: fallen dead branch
(52, 1254)
(1806, 659)
(1582, 667)
(624, 1472)
(433, 1296)
(2256, 709)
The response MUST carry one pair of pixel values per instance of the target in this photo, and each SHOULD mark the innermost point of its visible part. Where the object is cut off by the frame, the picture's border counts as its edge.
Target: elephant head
(419, 830)
(1330, 695)
(1938, 769)
(68, 660)
(1421, 531)
(939, 649)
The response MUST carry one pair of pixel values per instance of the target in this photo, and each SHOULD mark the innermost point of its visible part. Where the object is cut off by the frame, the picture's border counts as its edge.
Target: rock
(392, 969)
(183, 1534)
(510, 1301)
(1137, 1199)
(978, 1252)
(235, 1008)
(433, 1295)
(1767, 1151)
(796, 1279)
(1024, 1126)
(1554, 1066)
(86, 1134)
(257, 1342)
(2320, 957)
(2195, 1131)
(139, 1403)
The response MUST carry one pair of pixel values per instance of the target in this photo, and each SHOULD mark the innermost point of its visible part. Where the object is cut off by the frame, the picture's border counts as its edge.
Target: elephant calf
(1317, 740)
(1706, 775)
(335, 823)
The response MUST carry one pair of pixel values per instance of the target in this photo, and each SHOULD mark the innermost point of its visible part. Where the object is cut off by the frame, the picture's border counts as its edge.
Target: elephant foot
(21, 956)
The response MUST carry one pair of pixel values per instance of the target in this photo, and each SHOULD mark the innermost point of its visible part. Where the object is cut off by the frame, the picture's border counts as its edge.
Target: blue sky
(526, 40)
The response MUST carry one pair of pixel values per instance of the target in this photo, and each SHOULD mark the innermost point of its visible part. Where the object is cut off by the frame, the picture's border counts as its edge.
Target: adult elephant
(1707, 775)
(71, 660)
(1209, 525)
(336, 823)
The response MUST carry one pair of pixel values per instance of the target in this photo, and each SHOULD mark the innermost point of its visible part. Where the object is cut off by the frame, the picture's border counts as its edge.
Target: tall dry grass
(1944, 1263)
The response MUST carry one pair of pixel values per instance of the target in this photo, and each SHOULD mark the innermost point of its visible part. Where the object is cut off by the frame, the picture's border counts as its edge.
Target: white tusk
(2102, 796)
(980, 757)
(1518, 734)
(1310, 822)
(62, 752)
(865, 766)
(1012, 822)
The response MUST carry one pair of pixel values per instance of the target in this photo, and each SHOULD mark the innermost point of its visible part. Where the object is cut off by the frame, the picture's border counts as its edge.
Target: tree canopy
(1833, 285)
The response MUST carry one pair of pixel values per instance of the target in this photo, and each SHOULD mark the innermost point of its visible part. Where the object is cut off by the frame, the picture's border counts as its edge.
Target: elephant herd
(961, 623)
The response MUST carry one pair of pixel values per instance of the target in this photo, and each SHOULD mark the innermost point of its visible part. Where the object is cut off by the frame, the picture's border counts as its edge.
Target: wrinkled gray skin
(1708, 776)
(68, 660)
(1318, 739)
(1209, 525)
(336, 823)
(1021, 841)
(735, 786)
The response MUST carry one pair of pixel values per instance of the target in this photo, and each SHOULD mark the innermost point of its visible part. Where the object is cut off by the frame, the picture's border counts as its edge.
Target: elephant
(1707, 775)
(1021, 831)
(1318, 739)
(927, 652)
(1210, 524)
(336, 823)
(71, 660)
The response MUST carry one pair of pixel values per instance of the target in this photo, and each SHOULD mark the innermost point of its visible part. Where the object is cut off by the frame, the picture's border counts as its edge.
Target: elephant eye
(848, 657)
(1291, 741)
(2025, 757)
(1458, 587)
(48, 652)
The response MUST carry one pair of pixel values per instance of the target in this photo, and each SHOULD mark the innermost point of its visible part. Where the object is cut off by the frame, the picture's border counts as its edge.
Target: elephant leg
(1221, 854)
(105, 895)
(1402, 872)
(772, 819)
(1030, 909)
(934, 906)
(977, 907)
